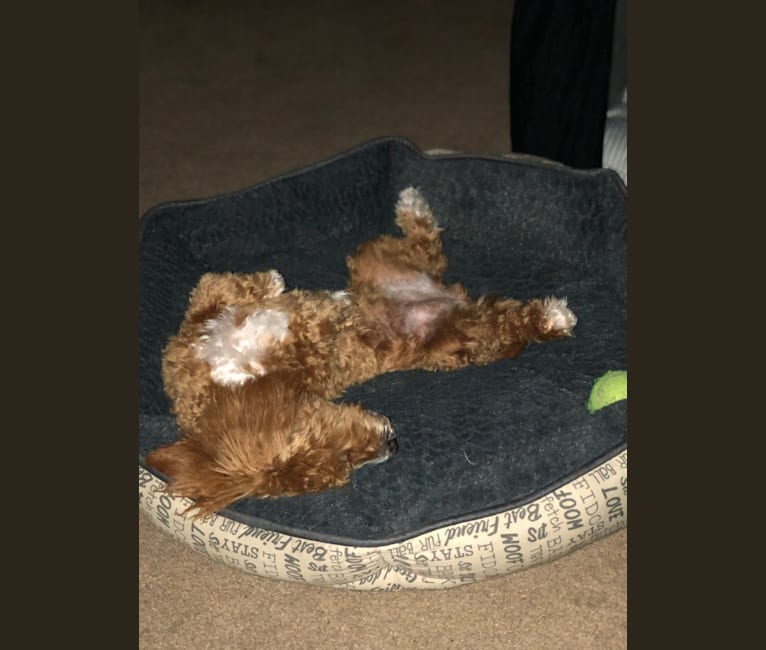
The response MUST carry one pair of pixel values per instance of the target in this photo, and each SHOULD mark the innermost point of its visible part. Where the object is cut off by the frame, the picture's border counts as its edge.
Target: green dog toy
(609, 388)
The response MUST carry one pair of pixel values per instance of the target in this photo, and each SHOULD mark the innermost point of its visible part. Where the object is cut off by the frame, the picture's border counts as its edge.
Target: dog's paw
(412, 208)
(558, 319)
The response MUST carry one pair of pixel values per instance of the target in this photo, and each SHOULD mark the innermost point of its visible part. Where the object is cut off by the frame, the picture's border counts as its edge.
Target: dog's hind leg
(422, 243)
(492, 329)
(416, 256)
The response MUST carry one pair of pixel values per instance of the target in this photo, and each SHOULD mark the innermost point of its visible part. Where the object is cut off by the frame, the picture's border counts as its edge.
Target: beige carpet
(233, 93)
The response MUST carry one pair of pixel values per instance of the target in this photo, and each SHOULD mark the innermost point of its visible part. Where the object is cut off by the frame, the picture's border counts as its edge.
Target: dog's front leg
(215, 291)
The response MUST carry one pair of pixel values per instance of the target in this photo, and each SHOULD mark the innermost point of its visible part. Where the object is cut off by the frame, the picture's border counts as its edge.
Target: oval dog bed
(500, 467)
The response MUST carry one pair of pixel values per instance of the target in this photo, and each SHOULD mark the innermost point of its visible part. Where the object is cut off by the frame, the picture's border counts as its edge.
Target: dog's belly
(418, 303)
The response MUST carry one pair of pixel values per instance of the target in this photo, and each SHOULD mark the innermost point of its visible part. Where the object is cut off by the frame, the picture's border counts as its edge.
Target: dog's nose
(390, 444)
(393, 445)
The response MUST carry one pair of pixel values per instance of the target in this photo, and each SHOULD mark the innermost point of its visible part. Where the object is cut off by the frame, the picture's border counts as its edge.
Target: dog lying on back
(253, 369)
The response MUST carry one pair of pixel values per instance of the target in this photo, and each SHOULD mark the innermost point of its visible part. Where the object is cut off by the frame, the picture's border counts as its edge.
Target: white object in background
(615, 154)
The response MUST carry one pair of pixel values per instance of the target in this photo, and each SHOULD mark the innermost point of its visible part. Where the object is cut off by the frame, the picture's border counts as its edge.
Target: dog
(253, 370)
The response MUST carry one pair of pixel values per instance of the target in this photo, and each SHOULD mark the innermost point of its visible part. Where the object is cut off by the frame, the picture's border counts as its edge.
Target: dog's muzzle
(388, 447)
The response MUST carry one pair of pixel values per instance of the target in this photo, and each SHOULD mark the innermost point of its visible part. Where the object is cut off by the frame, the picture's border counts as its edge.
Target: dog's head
(267, 439)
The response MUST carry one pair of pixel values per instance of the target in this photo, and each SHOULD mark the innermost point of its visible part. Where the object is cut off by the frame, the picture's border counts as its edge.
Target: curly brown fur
(253, 368)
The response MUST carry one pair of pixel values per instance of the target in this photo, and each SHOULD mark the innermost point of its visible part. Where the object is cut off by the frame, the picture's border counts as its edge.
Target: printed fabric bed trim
(588, 507)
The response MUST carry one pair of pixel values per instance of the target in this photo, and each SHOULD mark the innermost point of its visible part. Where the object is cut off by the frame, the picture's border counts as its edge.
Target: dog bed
(500, 467)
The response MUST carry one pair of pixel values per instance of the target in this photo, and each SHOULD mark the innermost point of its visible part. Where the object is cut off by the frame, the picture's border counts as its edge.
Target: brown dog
(253, 369)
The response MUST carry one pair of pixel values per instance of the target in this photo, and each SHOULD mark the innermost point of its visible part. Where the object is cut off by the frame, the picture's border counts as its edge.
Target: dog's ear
(194, 474)
(178, 460)
(214, 484)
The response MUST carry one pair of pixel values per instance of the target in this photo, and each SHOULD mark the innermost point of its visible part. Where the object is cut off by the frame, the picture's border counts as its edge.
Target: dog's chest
(297, 331)
(236, 348)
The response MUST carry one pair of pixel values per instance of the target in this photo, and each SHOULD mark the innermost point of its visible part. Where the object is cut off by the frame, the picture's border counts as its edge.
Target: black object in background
(561, 53)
